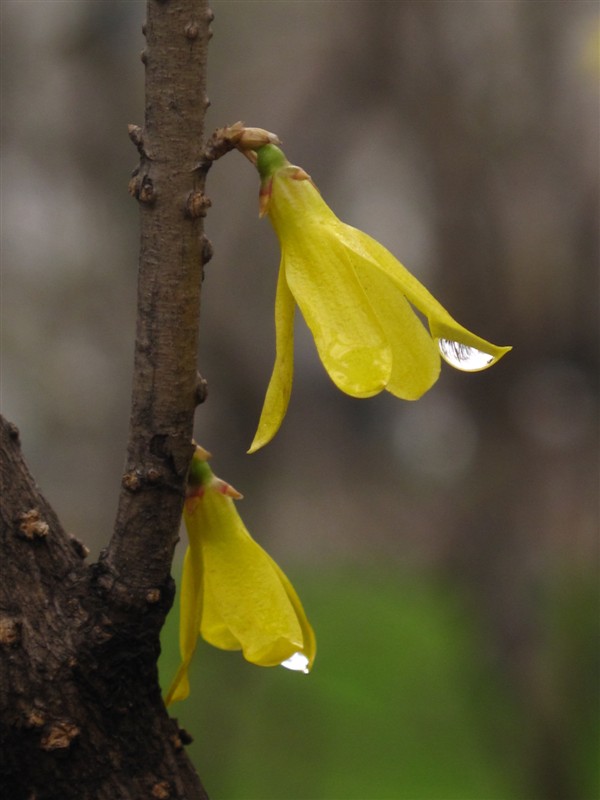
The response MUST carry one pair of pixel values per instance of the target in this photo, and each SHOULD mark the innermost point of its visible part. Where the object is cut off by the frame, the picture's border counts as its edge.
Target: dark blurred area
(446, 551)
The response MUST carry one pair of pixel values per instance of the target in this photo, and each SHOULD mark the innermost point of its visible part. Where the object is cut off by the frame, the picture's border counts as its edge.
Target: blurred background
(446, 551)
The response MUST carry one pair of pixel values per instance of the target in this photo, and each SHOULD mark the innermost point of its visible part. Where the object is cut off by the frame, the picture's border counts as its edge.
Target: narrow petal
(243, 591)
(189, 614)
(441, 324)
(308, 635)
(280, 385)
(350, 341)
(416, 359)
(180, 686)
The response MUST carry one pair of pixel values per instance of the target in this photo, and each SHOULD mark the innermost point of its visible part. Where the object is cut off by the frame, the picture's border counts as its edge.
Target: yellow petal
(416, 359)
(180, 687)
(349, 339)
(280, 385)
(294, 203)
(213, 628)
(351, 344)
(309, 648)
(243, 592)
(441, 324)
(233, 593)
(189, 615)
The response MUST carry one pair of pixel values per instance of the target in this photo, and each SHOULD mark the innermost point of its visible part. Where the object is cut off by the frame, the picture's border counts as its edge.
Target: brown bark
(81, 714)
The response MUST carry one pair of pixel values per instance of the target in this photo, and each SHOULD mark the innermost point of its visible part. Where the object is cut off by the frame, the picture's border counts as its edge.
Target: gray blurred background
(447, 550)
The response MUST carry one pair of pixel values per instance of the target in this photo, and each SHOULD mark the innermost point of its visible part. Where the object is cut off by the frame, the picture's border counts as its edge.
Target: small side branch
(232, 137)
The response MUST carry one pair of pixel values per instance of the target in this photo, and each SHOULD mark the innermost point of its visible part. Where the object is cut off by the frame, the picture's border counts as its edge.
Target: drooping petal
(213, 627)
(351, 343)
(280, 385)
(232, 592)
(309, 640)
(355, 296)
(243, 593)
(441, 324)
(189, 614)
(416, 359)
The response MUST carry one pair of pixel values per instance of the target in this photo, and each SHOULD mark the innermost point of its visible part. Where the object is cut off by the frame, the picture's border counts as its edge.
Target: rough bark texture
(81, 715)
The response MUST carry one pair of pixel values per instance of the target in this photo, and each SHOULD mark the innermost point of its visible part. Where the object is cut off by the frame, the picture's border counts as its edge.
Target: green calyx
(269, 158)
(200, 474)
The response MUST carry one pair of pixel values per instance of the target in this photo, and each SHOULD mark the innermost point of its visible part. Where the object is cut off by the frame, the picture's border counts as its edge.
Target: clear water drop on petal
(464, 357)
(297, 662)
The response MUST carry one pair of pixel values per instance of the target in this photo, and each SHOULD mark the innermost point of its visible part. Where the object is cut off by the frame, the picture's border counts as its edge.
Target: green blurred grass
(401, 704)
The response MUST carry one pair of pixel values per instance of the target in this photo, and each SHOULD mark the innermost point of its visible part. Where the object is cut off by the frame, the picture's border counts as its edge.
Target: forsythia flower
(356, 299)
(232, 592)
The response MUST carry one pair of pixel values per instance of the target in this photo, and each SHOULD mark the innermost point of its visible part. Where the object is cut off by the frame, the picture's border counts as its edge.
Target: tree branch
(81, 714)
(170, 191)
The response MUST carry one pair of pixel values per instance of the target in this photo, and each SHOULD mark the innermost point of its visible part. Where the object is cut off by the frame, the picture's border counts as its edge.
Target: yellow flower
(356, 299)
(232, 592)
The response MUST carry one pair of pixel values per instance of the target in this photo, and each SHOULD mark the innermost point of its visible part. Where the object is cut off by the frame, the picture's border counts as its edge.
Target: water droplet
(297, 662)
(463, 357)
